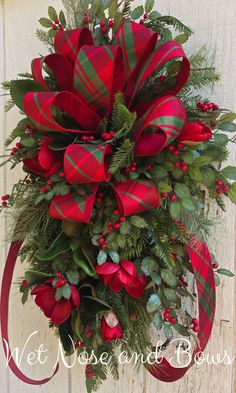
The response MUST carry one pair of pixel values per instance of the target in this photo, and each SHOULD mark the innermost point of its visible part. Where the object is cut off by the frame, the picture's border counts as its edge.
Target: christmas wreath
(121, 155)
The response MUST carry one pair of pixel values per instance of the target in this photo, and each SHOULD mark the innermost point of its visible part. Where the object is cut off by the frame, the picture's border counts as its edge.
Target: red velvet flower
(194, 133)
(46, 162)
(111, 327)
(58, 311)
(121, 276)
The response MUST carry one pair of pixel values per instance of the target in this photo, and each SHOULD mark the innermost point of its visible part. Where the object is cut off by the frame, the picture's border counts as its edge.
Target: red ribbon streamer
(4, 307)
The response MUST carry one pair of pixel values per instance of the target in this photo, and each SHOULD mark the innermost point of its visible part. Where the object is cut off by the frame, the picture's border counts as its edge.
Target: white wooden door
(214, 23)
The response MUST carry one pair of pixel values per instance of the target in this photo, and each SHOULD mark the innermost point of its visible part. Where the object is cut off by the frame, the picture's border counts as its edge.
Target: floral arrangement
(120, 153)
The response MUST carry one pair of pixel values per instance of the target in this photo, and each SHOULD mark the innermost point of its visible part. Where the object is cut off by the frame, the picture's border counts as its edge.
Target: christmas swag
(121, 155)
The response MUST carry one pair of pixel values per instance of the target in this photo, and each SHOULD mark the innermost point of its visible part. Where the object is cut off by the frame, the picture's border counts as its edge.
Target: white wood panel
(213, 22)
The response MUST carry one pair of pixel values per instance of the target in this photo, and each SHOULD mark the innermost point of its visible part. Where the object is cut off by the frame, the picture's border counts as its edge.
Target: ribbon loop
(137, 43)
(98, 76)
(69, 42)
(136, 196)
(60, 67)
(39, 108)
(167, 117)
(86, 163)
(74, 206)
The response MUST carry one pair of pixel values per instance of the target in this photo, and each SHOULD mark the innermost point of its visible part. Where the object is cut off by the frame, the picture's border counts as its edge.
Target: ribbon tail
(4, 307)
(201, 262)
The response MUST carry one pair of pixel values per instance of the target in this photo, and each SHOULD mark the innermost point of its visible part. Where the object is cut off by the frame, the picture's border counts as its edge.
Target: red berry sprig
(5, 200)
(131, 168)
(108, 135)
(221, 187)
(86, 138)
(195, 325)
(207, 107)
(57, 25)
(16, 149)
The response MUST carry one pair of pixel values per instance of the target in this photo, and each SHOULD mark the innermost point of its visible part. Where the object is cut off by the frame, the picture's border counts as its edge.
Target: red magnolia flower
(111, 327)
(121, 276)
(58, 311)
(194, 133)
(46, 162)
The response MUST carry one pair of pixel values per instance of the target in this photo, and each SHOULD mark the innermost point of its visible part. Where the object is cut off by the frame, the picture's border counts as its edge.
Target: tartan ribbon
(91, 77)
(201, 262)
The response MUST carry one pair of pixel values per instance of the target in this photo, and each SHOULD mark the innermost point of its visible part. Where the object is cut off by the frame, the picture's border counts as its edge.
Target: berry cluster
(168, 318)
(5, 200)
(89, 371)
(182, 165)
(110, 228)
(16, 149)
(28, 130)
(131, 168)
(221, 187)
(57, 25)
(108, 135)
(61, 282)
(195, 325)
(175, 150)
(85, 138)
(144, 18)
(206, 107)
(172, 197)
(88, 330)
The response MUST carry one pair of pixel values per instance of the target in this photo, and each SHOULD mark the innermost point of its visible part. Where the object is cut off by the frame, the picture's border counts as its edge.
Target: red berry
(225, 188)
(4, 203)
(133, 169)
(164, 194)
(122, 219)
(171, 148)
(49, 182)
(89, 333)
(149, 167)
(87, 19)
(102, 23)
(62, 174)
(30, 132)
(184, 168)
(196, 328)
(116, 211)
(58, 275)
(101, 240)
(172, 320)
(110, 228)
(4, 198)
(90, 374)
(91, 138)
(54, 27)
(176, 153)
(162, 78)
(76, 345)
(204, 108)
(19, 145)
(14, 150)
(81, 344)
(60, 283)
(200, 105)
(146, 15)
(141, 21)
(210, 106)
(173, 198)
(168, 310)
(176, 164)
(104, 246)
(43, 189)
(215, 107)
(180, 146)
(88, 367)
(111, 23)
(195, 321)
(103, 30)
(25, 283)
(61, 28)
(219, 191)
(99, 200)
(83, 138)
(105, 136)
(219, 183)
(117, 225)
(166, 315)
(215, 265)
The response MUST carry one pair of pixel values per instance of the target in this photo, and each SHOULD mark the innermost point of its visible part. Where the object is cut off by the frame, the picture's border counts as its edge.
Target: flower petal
(75, 296)
(61, 312)
(107, 268)
(129, 267)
